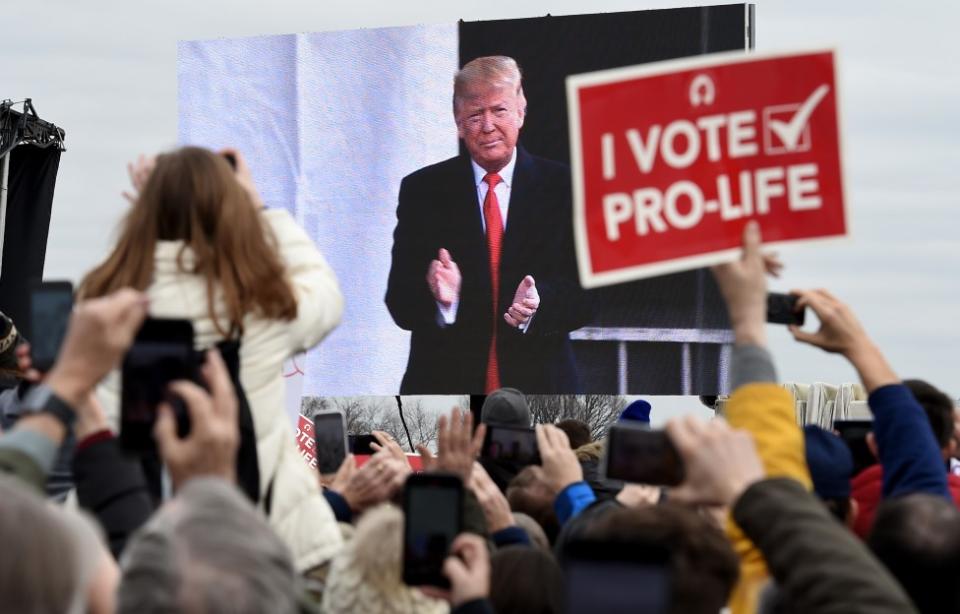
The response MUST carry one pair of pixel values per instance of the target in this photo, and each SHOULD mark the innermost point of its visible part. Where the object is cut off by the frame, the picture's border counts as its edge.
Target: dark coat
(438, 208)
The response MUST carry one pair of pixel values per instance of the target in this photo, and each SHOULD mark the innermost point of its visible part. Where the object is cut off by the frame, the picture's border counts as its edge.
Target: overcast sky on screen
(106, 72)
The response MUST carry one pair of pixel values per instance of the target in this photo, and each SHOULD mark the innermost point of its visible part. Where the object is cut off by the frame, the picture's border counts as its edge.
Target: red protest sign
(670, 160)
(306, 442)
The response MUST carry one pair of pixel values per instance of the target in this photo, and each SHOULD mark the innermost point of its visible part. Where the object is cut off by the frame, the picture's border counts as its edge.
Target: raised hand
(468, 569)
(841, 332)
(744, 287)
(719, 462)
(495, 507)
(443, 278)
(244, 176)
(378, 480)
(99, 332)
(526, 301)
(139, 173)
(457, 445)
(560, 465)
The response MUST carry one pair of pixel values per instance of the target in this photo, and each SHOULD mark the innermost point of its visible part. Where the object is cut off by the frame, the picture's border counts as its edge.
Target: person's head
(538, 537)
(193, 196)
(918, 538)
(505, 406)
(940, 412)
(52, 561)
(831, 468)
(489, 107)
(207, 551)
(530, 493)
(577, 432)
(702, 566)
(527, 580)
(367, 575)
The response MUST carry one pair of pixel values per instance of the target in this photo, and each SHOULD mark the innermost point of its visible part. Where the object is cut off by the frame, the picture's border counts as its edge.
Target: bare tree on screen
(598, 411)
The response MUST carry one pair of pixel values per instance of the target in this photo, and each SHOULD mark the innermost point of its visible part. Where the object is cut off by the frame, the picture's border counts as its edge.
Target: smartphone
(636, 454)
(360, 444)
(161, 353)
(854, 434)
(612, 576)
(782, 309)
(50, 305)
(432, 508)
(515, 444)
(330, 436)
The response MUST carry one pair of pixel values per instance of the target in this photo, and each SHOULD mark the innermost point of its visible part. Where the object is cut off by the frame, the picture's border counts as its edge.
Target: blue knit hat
(638, 411)
(830, 463)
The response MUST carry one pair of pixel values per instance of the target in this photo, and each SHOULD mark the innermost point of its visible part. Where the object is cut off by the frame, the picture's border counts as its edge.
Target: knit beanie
(638, 411)
(830, 463)
(505, 406)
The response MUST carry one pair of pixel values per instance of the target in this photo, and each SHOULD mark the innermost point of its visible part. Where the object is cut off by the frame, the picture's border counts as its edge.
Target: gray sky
(106, 72)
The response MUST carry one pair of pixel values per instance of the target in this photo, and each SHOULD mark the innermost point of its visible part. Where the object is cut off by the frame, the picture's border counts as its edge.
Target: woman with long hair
(199, 241)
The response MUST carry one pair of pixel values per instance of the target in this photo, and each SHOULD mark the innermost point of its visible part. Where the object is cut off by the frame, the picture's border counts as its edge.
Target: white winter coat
(299, 513)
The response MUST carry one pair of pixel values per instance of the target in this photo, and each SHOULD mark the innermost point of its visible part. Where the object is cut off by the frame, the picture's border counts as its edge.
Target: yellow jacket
(767, 411)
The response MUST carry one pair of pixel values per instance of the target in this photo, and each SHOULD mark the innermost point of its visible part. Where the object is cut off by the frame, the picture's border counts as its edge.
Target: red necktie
(491, 215)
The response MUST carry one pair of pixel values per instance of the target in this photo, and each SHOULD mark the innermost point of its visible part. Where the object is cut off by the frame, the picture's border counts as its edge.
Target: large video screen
(437, 186)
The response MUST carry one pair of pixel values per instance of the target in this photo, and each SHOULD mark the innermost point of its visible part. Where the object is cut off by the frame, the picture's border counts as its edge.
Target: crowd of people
(768, 518)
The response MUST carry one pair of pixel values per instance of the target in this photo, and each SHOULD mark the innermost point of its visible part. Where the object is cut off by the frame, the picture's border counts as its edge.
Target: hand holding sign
(443, 277)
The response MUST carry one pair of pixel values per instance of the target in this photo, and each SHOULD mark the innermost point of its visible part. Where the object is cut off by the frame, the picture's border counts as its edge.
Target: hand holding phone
(468, 569)
(641, 456)
(432, 507)
(783, 309)
(161, 353)
(210, 448)
(560, 465)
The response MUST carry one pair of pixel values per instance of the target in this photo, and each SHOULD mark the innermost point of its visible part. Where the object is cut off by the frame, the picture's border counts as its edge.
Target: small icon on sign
(787, 127)
(702, 91)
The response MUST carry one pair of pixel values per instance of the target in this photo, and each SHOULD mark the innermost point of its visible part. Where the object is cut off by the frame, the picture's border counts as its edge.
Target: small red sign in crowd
(307, 444)
(671, 159)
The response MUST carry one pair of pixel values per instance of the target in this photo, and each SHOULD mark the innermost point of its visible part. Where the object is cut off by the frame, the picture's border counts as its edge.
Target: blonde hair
(494, 71)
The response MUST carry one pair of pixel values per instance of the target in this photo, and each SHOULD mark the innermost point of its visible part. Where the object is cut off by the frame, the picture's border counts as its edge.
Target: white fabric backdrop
(331, 122)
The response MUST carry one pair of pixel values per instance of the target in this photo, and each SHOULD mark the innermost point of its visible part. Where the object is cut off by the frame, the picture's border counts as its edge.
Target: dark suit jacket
(438, 207)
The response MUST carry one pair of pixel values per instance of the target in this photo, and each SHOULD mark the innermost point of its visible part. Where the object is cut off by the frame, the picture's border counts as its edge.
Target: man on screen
(483, 271)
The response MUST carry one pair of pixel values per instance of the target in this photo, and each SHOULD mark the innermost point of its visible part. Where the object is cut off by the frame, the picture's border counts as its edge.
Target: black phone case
(416, 572)
(782, 309)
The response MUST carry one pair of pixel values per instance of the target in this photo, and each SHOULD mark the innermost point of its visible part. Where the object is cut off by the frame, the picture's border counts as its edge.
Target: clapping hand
(526, 301)
(443, 278)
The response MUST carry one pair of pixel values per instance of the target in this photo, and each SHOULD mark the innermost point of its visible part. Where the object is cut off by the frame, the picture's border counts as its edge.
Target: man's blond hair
(496, 71)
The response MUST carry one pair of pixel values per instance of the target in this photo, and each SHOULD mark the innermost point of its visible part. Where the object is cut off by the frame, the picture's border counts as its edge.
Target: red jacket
(867, 488)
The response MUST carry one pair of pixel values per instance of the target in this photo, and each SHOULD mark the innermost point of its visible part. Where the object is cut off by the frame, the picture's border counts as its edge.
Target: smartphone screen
(613, 577)
(641, 456)
(50, 306)
(161, 353)
(432, 505)
(331, 440)
(854, 434)
(782, 309)
(515, 444)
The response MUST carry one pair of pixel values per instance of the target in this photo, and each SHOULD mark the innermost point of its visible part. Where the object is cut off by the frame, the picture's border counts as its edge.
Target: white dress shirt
(448, 315)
